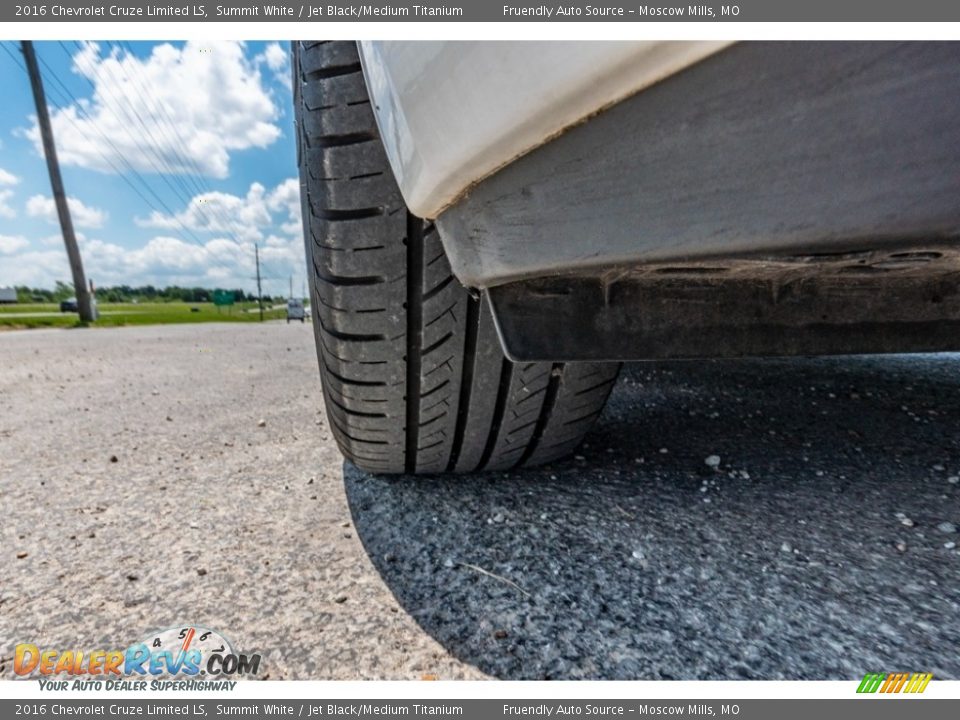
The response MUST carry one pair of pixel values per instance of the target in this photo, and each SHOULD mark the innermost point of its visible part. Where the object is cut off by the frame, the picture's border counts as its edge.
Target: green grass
(29, 307)
(117, 314)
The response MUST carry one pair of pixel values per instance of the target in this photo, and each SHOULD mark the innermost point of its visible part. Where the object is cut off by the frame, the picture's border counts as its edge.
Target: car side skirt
(885, 301)
(776, 198)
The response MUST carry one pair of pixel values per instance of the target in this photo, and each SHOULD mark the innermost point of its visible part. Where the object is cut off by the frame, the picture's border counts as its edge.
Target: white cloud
(8, 178)
(277, 58)
(197, 104)
(55, 240)
(244, 218)
(6, 209)
(35, 268)
(268, 217)
(10, 244)
(286, 197)
(83, 216)
(283, 251)
(162, 261)
(168, 260)
(217, 212)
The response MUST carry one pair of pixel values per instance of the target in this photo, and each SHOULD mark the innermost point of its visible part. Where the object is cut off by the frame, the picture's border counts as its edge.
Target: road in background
(761, 519)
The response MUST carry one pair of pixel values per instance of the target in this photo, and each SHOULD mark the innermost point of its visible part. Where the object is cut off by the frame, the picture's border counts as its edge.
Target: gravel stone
(242, 488)
(596, 610)
(715, 600)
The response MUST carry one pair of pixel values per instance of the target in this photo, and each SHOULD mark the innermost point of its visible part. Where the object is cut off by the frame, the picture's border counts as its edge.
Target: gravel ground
(138, 481)
(761, 519)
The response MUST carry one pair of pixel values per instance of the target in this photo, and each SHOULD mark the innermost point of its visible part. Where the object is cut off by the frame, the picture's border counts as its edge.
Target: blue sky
(207, 126)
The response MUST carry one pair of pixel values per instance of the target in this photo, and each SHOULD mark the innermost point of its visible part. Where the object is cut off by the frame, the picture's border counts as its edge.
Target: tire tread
(414, 379)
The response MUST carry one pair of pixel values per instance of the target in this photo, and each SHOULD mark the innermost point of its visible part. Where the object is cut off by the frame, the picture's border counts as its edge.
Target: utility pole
(291, 287)
(256, 250)
(84, 304)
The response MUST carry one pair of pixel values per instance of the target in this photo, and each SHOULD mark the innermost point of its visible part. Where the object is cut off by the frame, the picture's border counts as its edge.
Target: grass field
(40, 315)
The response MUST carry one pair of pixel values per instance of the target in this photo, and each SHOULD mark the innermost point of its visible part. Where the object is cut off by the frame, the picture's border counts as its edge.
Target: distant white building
(8, 295)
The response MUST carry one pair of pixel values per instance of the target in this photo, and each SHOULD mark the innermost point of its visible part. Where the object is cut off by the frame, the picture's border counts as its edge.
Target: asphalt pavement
(759, 519)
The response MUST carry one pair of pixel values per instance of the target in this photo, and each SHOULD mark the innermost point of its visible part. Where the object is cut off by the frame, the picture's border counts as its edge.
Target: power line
(105, 158)
(129, 107)
(70, 120)
(120, 156)
(156, 145)
(182, 159)
(14, 57)
(161, 112)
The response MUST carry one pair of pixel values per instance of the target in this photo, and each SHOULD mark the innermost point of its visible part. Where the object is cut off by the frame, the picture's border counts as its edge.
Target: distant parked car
(295, 310)
(70, 305)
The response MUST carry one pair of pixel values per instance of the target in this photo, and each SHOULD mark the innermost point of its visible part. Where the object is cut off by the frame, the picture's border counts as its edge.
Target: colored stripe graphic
(901, 679)
(888, 682)
(894, 682)
(920, 683)
(870, 683)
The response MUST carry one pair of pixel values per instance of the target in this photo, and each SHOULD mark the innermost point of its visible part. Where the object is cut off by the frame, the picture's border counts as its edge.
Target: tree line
(128, 293)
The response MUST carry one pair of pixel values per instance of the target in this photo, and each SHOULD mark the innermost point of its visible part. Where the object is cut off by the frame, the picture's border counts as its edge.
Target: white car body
(452, 113)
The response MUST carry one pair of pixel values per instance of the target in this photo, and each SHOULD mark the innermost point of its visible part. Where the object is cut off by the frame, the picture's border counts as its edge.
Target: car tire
(414, 378)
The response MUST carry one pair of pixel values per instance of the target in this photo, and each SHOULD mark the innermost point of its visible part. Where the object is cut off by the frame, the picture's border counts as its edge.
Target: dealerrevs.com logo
(181, 658)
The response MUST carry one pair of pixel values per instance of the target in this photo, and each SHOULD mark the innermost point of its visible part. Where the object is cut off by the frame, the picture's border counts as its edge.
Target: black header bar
(898, 11)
